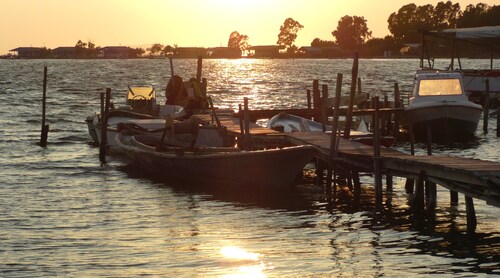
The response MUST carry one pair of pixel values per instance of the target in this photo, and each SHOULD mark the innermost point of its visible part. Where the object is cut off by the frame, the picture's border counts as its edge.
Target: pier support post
(104, 128)
(430, 187)
(410, 183)
(471, 215)
(357, 187)
(45, 128)
(453, 198)
(389, 182)
(418, 198)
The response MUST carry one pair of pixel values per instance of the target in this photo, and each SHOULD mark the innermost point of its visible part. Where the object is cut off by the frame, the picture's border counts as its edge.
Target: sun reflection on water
(252, 266)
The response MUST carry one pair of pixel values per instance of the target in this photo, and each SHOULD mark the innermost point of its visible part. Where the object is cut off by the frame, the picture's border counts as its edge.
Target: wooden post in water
(348, 120)
(45, 128)
(246, 124)
(486, 106)
(316, 100)
(308, 99)
(336, 113)
(397, 104)
(471, 215)
(377, 160)
(171, 67)
(198, 69)
(324, 100)
(333, 138)
(359, 86)
(104, 128)
(498, 115)
(418, 198)
(410, 183)
(430, 187)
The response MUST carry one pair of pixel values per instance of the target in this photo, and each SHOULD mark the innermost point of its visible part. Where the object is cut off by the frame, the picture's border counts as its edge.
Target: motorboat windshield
(440, 87)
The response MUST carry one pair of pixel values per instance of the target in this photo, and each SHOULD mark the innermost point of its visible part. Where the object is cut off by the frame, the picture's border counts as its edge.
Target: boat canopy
(485, 32)
(141, 92)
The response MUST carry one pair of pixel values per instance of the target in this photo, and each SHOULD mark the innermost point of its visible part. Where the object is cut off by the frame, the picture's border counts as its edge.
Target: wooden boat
(439, 102)
(291, 123)
(203, 163)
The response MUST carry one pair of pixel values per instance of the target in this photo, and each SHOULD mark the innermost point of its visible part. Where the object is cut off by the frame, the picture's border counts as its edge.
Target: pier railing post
(336, 114)
(199, 68)
(324, 100)
(246, 124)
(397, 104)
(348, 120)
(316, 100)
(308, 92)
(486, 105)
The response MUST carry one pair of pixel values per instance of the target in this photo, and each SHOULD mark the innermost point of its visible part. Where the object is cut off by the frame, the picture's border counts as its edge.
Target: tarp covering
(471, 33)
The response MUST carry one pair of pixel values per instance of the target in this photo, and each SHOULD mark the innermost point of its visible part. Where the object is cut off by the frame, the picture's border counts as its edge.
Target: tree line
(352, 32)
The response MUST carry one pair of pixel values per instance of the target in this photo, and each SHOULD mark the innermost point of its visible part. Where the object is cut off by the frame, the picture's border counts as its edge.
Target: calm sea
(64, 214)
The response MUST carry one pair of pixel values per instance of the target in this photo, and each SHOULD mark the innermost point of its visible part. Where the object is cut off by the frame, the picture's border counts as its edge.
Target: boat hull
(447, 122)
(274, 168)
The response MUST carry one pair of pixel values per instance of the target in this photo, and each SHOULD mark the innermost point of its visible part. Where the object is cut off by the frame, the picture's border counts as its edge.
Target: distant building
(64, 52)
(410, 49)
(190, 52)
(116, 52)
(28, 52)
(266, 51)
(224, 52)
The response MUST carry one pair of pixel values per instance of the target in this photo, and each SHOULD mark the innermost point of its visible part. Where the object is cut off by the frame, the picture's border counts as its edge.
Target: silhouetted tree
(237, 40)
(480, 15)
(321, 43)
(377, 46)
(168, 50)
(155, 48)
(81, 49)
(446, 15)
(288, 34)
(136, 52)
(351, 32)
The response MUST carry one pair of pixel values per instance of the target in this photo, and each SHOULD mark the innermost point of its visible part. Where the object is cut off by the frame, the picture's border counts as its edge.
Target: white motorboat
(479, 38)
(292, 123)
(439, 102)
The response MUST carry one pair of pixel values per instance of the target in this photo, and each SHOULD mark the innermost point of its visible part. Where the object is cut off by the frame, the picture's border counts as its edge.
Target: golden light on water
(248, 264)
(232, 252)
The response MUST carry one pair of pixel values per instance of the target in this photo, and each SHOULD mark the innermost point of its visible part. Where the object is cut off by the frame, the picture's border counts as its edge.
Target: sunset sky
(207, 23)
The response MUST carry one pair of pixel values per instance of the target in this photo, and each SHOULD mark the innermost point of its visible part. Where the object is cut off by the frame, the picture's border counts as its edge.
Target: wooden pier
(472, 177)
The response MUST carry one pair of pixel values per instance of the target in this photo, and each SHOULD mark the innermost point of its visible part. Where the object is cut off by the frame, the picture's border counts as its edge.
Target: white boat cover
(472, 33)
